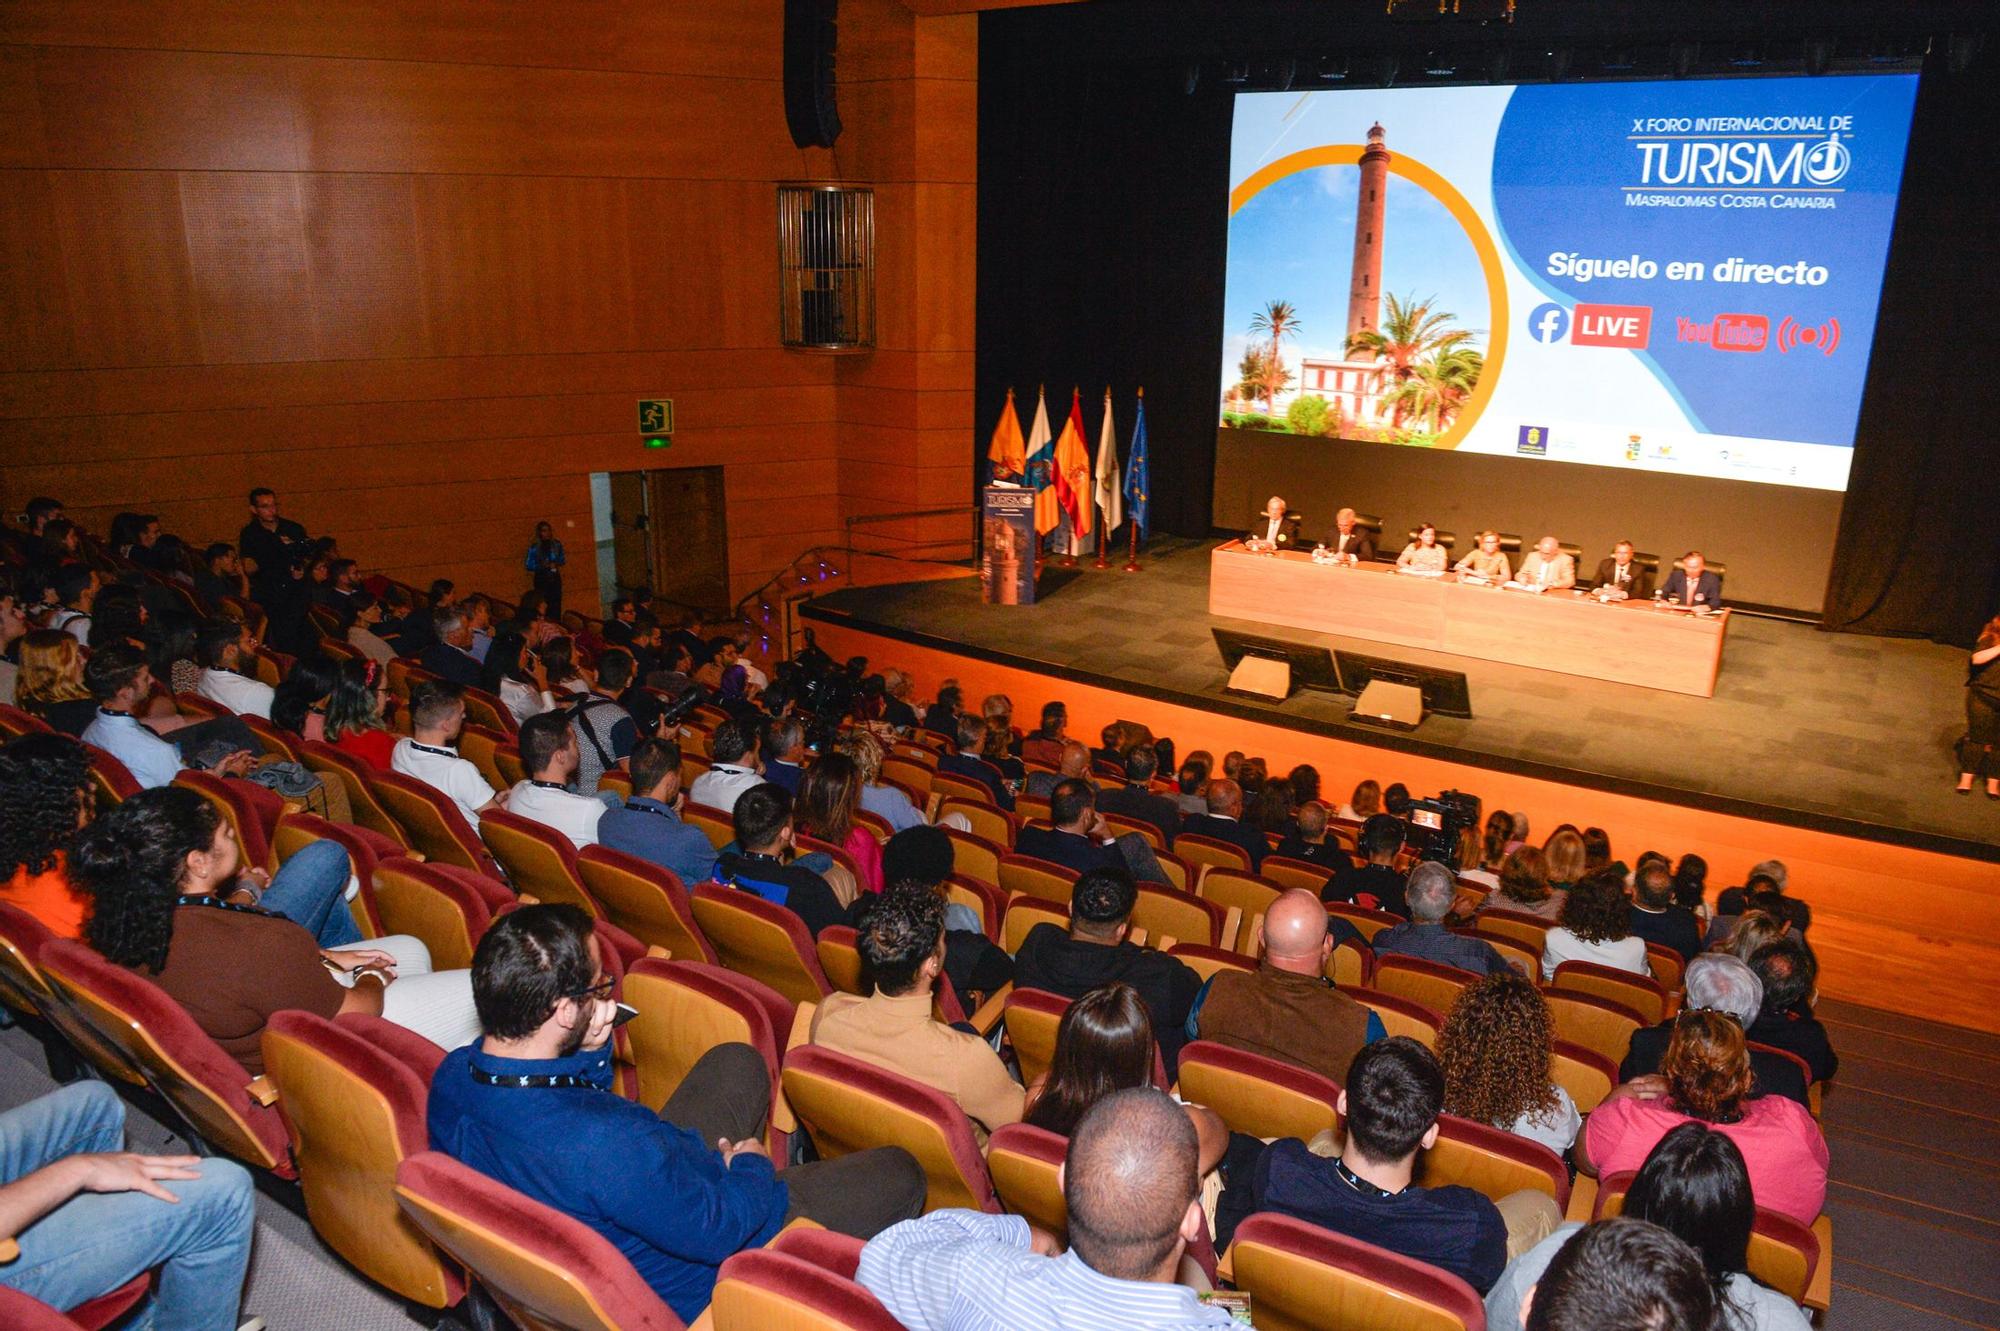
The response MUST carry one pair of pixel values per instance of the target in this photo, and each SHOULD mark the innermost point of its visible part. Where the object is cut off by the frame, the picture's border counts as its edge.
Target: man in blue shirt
(119, 679)
(1430, 893)
(677, 1193)
(1131, 1186)
(650, 826)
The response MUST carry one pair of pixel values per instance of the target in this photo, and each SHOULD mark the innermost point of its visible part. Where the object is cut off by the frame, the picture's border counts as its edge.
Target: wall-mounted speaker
(811, 29)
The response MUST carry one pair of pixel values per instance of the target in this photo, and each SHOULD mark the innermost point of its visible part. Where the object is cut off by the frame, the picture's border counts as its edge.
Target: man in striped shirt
(1131, 1185)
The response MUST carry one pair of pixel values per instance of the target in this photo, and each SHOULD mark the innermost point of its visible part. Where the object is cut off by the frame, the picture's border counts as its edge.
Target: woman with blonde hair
(1363, 804)
(881, 800)
(1565, 855)
(50, 685)
(1705, 1077)
(1496, 1049)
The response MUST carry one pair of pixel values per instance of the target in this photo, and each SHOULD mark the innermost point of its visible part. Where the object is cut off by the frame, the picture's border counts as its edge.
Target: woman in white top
(361, 633)
(1424, 554)
(514, 675)
(1595, 925)
(1496, 1048)
(559, 669)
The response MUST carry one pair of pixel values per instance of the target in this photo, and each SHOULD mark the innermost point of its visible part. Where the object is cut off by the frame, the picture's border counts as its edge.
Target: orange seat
(974, 856)
(219, 1102)
(1211, 851)
(1530, 931)
(1023, 914)
(431, 822)
(354, 1091)
(1163, 913)
(1587, 1075)
(365, 853)
(1301, 1277)
(1351, 965)
(1036, 878)
(1366, 922)
(1794, 1259)
(687, 1008)
(1523, 958)
(1598, 1024)
(545, 1269)
(1123, 826)
(1210, 961)
(1260, 1096)
(803, 1280)
(1643, 994)
(1493, 1161)
(480, 746)
(1251, 894)
(988, 819)
(983, 899)
(1024, 1162)
(251, 811)
(275, 742)
(1179, 874)
(951, 786)
(19, 1312)
(513, 771)
(1401, 1016)
(846, 1105)
(644, 899)
(539, 861)
(23, 989)
(337, 765)
(754, 937)
(1032, 1017)
(15, 722)
(840, 957)
(447, 907)
(910, 774)
(1668, 969)
(1032, 809)
(714, 823)
(1431, 983)
(484, 709)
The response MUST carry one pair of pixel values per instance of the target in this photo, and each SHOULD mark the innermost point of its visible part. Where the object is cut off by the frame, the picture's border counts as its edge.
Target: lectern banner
(1007, 546)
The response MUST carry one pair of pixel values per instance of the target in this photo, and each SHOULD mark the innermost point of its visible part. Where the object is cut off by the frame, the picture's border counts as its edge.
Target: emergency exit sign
(656, 421)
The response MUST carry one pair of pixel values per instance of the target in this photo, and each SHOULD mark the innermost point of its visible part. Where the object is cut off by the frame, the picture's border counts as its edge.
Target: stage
(1834, 733)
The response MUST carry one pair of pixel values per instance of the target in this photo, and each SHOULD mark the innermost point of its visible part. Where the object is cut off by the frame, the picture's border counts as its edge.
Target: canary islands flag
(1007, 453)
(1041, 462)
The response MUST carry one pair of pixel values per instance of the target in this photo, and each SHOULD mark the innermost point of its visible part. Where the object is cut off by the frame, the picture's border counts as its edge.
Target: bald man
(1131, 1185)
(1351, 542)
(1074, 763)
(1224, 821)
(1287, 1009)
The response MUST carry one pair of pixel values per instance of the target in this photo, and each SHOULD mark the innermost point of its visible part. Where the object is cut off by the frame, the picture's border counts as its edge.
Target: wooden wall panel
(34, 302)
(361, 239)
(192, 111)
(124, 255)
(247, 257)
(21, 141)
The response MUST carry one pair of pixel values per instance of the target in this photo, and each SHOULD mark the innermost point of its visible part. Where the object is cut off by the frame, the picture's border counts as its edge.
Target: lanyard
(426, 748)
(216, 903)
(1359, 1184)
(537, 1081)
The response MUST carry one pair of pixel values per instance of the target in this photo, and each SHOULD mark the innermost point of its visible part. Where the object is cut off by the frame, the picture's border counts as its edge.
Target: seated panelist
(1424, 555)
(1276, 526)
(1693, 585)
(1350, 541)
(1487, 561)
(1622, 576)
(1547, 566)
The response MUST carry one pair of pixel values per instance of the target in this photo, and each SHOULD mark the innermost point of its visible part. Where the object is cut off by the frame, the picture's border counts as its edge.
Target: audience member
(784, 748)
(221, 576)
(1767, 876)
(1790, 973)
(549, 752)
(974, 963)
(1485, 870)
(1136, 800)
(1222, 820)
(897, 713)
(966, 763)
(1307, 841)
(154, 868)
(901, 940)
(450, 656)
(1564, 854)
(51, 685)
(272, 544)
(1072, 764)
(1045, 745)
(1430, 893)
(677, 1192)
(361, 634)
(1287, 1009)
(1497, 1048)
(1391, 1099)
(46, 797)
(1396, 800)
(997, 746)
(1272, 813)
(223, 647)
(90, 1216)
(355, 714)
(1705, 1076)
(430, 754)
(119, 679)
(1718, 982)
(1596, 926)
(1191, 780)
(1130, 1187)
(1524, 886)
(759, 861)
(299, 703)
(942, 715)
(513, 674)
(1077, 838)
(1690, 884)
(566, 678)
(605, 731)
(1622, 1273)
(734, 767)
(1655, 917)
(1095, 951)
(828, 803)
(76, 592)
(1363, 804)
(649, 825)
(1381, 841)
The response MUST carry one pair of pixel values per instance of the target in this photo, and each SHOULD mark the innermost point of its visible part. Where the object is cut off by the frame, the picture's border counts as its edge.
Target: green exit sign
(656, 417)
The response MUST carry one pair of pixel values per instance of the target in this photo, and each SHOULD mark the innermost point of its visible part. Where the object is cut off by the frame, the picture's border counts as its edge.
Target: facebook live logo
(1629, 326)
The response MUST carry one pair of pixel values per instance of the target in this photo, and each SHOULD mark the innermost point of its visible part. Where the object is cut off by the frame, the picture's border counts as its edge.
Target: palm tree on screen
(1438, 387)
(1277, 321)
(1412, 334)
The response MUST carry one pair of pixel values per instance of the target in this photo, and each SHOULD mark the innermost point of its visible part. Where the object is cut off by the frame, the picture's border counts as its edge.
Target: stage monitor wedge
(1444, 691)
(1252, 662)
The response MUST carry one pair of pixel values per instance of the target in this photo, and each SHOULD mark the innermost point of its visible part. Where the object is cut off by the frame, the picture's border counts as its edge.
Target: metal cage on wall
(826, 266)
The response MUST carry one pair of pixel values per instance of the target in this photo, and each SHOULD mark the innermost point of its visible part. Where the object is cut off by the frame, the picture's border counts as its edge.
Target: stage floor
(1836, 732)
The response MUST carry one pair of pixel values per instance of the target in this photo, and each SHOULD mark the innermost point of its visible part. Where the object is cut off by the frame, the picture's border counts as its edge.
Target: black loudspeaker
(811, 29)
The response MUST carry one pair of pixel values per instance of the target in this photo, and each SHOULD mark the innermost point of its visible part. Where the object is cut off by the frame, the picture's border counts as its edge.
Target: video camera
(1435, 824)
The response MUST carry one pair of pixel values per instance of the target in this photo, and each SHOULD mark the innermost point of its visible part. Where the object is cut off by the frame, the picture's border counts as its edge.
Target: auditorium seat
(210, 1092)
(250, 810)
(1510, 544)
(1668, 969)
(766, 942)
(1036, 878)
(1122, 826)
(365, 853)
(1351, 965)
(1445, 539)
(23, 989)
(19, 1312)
(1201, 851)
(1401, 1016)
(1525, 959)
(644, 899)
(447, 907)
(1208, 961)
(1250, 894)
(1182, 916)
(1260, 1096)
(1434, 984)
(1023, 914)
(484, 709)
(950, 785)
(351, 774)
(846, 1105)
(1366, 922)
(1024, 1161)
(1575, 553)
(1288, 873)
(1530, 931)
(984, 899)
(277, 745)
(911, 774)
(1493, 1161)
(714, 824)
(354, 1091)
(1643, 995)
(539, 861)
(1301, 1277)
(1181, 876)
(840, 957)
(878, 827)
(513, 771)
(431, 823)
(1587, 1075)
(687, 1008)
(14, 723)
(1032, 809)
(543, 1268)
(769, 1289)
(1598, 1024)
(838, 854)
(1032, 1017)
(988, 819)
(480, 745)
(975, 856)
(1794, 1259)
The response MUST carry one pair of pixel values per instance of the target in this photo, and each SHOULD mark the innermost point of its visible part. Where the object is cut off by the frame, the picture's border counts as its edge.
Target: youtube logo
(1627, 326)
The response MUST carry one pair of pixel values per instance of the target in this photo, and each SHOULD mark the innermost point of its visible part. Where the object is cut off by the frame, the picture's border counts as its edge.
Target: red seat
(19, 1312)
(760, 939)
(448, 907)
(431, 822)
(1301, 1276)
(544, 1269)
(765, 1288)
(14, 721)
(539, 861)
(646, 900)
(251, 809)
(1261, 1096)
(365, 852)
(113, 779)
(687, 1008)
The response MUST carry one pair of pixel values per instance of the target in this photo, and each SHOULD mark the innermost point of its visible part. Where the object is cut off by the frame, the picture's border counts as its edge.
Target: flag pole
(1069, 536)
(1132, 526)
(1103, 536)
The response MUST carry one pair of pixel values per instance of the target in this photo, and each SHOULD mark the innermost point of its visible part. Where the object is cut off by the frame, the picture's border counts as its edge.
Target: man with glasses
(677, 1192)
(1718, 982)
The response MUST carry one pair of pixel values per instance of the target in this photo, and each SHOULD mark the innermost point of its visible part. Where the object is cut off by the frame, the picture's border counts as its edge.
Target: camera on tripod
(1436, 823)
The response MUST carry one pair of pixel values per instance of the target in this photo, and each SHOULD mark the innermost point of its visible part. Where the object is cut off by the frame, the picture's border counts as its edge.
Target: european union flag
(1137, 485)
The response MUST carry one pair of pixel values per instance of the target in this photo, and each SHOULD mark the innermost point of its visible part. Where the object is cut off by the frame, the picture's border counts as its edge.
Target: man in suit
(1075, 838)
(1072, 762)
(1547, 566)
(1622, 576)
(450, 657)
(968, 764)
(1223, 821)
(1349, 540)
(1693, 585)
(1135, 800)
(1276, 526)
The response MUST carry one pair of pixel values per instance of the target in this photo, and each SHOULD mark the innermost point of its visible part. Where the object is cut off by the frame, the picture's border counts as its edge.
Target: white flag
(1110, 495)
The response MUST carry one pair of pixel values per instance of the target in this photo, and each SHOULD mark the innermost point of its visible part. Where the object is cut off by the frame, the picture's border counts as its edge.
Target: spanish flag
(1008, 453)
(1072, 474)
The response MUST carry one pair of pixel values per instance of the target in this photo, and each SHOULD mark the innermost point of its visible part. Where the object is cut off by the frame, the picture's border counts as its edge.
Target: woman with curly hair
(1705, 1077)
(829, 797)
(45, 799)
(883, 801)
(155, 869)
(1495, 1048)
(51, 682)
(1596, 925)
(1524, 886)
(1104, 1045)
